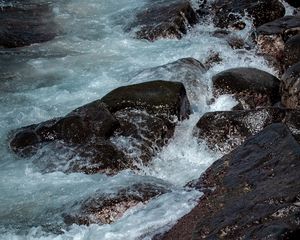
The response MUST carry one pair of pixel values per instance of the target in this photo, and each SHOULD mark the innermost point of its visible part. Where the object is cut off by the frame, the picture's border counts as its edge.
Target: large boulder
(271, 38)
(188, 71)
(290, 87)
(107, 208)
(164, 19)
(224, 131)
(78, 127)
(123, 130)
(251, 87)
(253, 192)
(25, 24)
(229, 13)
(158, 97)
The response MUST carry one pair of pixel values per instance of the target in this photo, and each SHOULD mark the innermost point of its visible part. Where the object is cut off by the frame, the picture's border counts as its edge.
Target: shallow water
(90, 57)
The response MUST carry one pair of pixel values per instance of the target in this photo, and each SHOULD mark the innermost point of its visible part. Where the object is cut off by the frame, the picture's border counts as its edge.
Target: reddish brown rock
(168, 19)
(253, 192)
(107, 208)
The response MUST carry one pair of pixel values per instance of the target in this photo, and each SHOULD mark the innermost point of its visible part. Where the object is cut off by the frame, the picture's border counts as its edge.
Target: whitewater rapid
(91, 56)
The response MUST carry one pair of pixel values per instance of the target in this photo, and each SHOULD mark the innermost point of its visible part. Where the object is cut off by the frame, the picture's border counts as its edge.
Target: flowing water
(93, 55)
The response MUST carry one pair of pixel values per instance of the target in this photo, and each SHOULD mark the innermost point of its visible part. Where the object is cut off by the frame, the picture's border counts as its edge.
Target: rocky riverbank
(250, 193)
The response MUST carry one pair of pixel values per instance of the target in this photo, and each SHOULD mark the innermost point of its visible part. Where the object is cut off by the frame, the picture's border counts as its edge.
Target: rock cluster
(250, 193)
(144, 113)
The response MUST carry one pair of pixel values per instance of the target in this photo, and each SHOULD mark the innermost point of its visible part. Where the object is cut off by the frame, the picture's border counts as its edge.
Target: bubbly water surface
(93, 55)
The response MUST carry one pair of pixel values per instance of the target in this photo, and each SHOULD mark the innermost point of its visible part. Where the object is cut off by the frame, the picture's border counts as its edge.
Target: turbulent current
(91, 56)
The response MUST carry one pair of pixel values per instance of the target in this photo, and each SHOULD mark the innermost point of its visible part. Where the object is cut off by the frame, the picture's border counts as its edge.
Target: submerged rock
(251, 87)
(156, 97)
(290, 87)
(164, 19)
(230, 13)
(24, 24)
(254, 192)
(107, 208)
(224, 131)
(188, 71)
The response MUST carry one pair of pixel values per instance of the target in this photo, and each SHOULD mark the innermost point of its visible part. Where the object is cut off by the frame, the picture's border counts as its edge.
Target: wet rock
(188, 71)
(164, 19)
(230, 13)
(91, 139)
(78, 127)
(290, 87)
(24, 24)
(224, 131)
(145, 134)
(100, 156)
(255, 192)
(156, 97)
(271, 38)
(292, 51)
(107, 208)
(212, 59)
(251, 87)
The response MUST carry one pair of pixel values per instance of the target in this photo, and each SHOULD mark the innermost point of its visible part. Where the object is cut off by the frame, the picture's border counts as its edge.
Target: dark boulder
(290, 87)
(90, 138)
(78, 127)
(224, 131)
(145, 134)
(164, 19)
(107, 208)
(292, 51)
(271, 38)
(188, 71)
(156, 97)
(25, 24)
(229, 13)
(254, 192)
(251, 87)
(98, 156)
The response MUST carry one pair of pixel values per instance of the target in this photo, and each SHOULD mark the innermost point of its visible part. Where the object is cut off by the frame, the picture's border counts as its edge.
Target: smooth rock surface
(188, 71)
(158, 97)
(251, 87)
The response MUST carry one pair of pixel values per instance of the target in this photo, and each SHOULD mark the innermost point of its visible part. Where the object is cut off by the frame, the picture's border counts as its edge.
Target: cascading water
(90, 57)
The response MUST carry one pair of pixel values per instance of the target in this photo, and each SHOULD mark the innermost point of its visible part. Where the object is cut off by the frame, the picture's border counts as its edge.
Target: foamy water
(92, 56)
